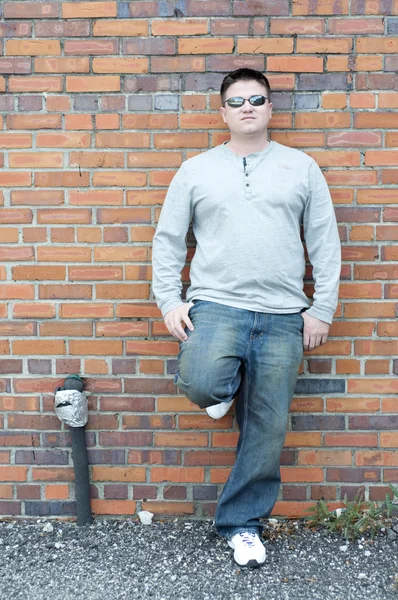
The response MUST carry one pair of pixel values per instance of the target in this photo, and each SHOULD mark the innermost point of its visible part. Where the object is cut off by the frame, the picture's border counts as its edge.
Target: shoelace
(248, 539)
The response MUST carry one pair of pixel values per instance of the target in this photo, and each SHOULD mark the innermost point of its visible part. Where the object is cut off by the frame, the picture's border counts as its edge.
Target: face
(247, 119)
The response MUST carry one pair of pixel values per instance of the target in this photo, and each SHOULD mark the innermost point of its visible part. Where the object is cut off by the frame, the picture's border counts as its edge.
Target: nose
(247, 106)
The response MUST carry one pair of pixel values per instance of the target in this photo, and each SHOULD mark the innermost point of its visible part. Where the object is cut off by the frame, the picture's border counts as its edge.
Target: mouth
(246, 118)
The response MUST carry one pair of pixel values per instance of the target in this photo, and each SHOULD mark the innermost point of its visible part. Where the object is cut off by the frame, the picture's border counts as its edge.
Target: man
(246, 318)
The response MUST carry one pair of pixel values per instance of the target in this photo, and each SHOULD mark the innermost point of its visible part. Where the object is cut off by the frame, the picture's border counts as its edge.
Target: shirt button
(247, 185)
(247, 174)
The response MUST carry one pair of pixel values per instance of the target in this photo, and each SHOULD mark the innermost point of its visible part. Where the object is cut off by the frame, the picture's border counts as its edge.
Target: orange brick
(18, 291)
(326, 7)
(120, 178)
(373, 120)
(96, 197)
(364, 310)
(85, 311)
(63, 140)
(181, 140)
(36, 160)
(362, 233)
(78, 122)
(348, 366)
(62, 65)
(142, 234)
(312, 474)
(58, 104)
(322, 120)
(37, 272)
(219, 475)
(33, 47)
(83, 10)
(350, 439)
(107, 122)
(264, 46)
(178, 64)
(194, 102)
(177, 474)
(363, 100)
(365, 458)
(169, 508)
(279, 25)
(95, 347)
(139, 272)
(34, 84)
(296, 64)
(362, 405)
(66, 215)
(388, 100)
(372, 386)
(62, 179)
(118, 473)
(113, 507)
(389, 439)
(93, 83)
(152, 367)
(176, 404)
(178, 27)
(181, 439)
(324, 457)
(122, 140)
(38, 347)
(121, 27)
(89, 234)
(377, 367)
(6, 492)
(120, 65)
(151, 348)
(36, 310)
(15, 140)
(64, 253)
(154, 159)
(56, 492)
(295, 509)
(145, 197)
(296, 438)
(12, 473)
(372, 45)
(115, 329)
(387, 347)
(211, 45)
(333, 100)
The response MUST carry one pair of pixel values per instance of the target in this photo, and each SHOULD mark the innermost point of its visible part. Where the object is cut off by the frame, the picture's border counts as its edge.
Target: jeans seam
(234, 468)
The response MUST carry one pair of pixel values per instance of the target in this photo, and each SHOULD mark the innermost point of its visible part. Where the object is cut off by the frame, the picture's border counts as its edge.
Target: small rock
(367, 553)
(343, 548)
(145, 517)
(361, 575)
(48, 528)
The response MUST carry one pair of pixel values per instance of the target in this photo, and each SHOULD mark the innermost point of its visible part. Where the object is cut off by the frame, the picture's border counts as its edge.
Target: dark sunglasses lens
(235, 102)
(257, 100)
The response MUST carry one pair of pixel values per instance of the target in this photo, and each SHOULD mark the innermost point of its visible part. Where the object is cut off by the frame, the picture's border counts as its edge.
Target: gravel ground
(187, 560)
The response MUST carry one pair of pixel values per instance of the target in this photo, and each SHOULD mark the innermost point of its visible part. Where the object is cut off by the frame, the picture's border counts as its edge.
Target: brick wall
(100, 102)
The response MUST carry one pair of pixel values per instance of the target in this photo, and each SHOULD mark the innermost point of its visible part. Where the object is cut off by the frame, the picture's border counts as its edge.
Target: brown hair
(244, 74)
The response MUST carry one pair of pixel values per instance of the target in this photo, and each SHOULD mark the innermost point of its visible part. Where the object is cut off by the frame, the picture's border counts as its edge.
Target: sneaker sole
(251, 563)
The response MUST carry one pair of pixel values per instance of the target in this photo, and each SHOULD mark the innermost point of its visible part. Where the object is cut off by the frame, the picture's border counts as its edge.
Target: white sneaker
(217, 411)
(249, 549)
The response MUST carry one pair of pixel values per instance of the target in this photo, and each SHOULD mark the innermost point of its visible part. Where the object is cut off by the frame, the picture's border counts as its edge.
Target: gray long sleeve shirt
(246, 215)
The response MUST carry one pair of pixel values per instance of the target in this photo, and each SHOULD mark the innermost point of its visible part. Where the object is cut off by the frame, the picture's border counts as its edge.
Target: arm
(169, 246)
(324, 251)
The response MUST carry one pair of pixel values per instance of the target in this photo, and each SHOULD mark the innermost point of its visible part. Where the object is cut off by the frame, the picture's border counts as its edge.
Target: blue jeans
(256, 357)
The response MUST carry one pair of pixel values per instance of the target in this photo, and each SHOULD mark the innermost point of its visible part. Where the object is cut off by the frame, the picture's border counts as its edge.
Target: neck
(245, 146)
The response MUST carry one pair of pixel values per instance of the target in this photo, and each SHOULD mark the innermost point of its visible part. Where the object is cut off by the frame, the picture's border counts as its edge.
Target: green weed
(355, 518)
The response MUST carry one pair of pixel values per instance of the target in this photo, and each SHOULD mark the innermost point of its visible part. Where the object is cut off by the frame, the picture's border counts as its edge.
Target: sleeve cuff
(323, 315)
(170, 305)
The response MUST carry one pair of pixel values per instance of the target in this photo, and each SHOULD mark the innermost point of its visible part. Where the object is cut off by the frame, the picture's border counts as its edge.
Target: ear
(222, 112)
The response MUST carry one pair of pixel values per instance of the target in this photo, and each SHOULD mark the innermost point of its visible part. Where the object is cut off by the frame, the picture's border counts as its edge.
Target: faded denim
(256, 357)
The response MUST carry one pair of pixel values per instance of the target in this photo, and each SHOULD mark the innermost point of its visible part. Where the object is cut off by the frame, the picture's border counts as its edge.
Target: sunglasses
(238, 101)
